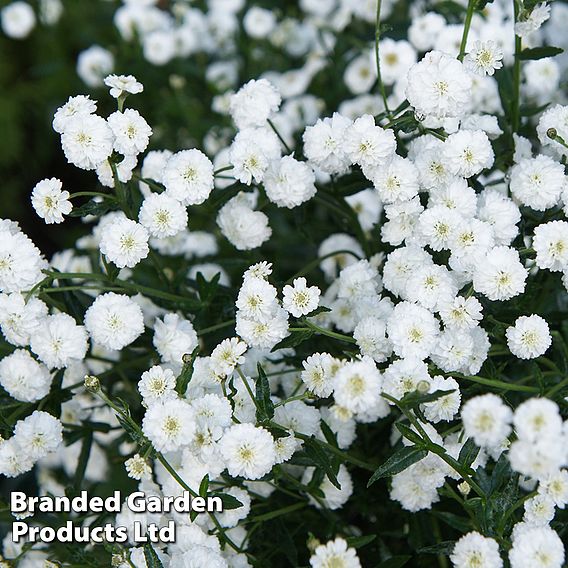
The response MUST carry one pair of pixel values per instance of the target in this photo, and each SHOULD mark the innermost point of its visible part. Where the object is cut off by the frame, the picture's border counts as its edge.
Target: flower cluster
(326, 291)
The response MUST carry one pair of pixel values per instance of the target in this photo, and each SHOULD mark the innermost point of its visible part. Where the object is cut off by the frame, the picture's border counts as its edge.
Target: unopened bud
(423, 387)
(118, 559)
(552, 133)
(92, 383)
(312, 543)
(464, 488)
(186, 358)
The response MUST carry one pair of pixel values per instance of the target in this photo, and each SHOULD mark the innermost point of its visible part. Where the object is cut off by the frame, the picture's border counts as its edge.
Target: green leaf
(394, 562)
(295, 338)
(265, 406)
(319, 457)
(83, 459)
(360, 541)
(184, 378)
(468, 452)
(319, 310)
(414, 398)
(95, 208)
(444, 547)
(540, 52)
(204, 486)
(229, 502)
(329, 436)
(409, 433)
(399, 461)
(151, 557)
(461, 524)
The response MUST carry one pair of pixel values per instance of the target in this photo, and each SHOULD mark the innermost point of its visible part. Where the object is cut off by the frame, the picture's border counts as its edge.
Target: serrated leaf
(264, 404)
(414, 398)
(152, 559)
(319, 310)
(540, 52)
(295, 338)
(229, 502)
(468, 452)
(328, 433)
(399, 461)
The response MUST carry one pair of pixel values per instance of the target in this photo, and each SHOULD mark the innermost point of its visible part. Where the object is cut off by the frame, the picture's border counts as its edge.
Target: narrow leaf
(398, 462)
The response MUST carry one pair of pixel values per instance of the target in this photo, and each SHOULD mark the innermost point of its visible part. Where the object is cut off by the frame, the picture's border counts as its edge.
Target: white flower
(188, 177)
(406, 375)
(227, 355)
(87, 141)
(114, 320)
(131, 132)
(318, 373)
(487, 420)
(473, 550)
(556, 487)
(439, 86)
(300, 299)
(162, 215)
(59, 341)
(499, 275)
(538, 182)
(369, 145)
(174, 337)
(20, 319)
(539, 510)
(289, 183)
(551, 245)
(14, 460)
(335, 553)
(137, 468)
(253, 104)
(21, 262)
(538, 546)
(397, 181)
(529, 337)
(413, 330)
(93, 64)
(157, 384)
(334, 498)
(324, 144)
(444, 407)
(537, 419)
(49, 202)
(75, 106)
(124, 242)
(245, 228)
(169, 425)
(461, 313)
(468, 152)
(248, 451)
(484, 58)
(18, 19)
(121, 84)
(357, 385)
(23, 377)
(533, 22)
(370, 335)
(40, 434)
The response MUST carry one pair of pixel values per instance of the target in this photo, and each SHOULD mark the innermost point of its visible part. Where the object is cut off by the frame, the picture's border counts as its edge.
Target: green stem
(288, 149)
(316, 262)
(215, 327)
(466, 26)
(378, 59)
(501, 385)
(323, 331)
(221, 170)
(91, 194)
(516, 105)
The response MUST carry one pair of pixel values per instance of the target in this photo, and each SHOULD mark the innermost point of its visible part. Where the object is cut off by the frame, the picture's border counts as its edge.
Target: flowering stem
(516, 106)
(221, 170)
(378, 61)
(288, 149)
(91, 194)
(215, 327)
(501, 385)
(466, 26)
(329, 333)
(316, 262)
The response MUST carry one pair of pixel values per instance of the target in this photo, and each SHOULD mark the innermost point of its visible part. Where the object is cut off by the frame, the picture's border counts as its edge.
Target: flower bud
(92, 383)
(464, 488)
(552, 133)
